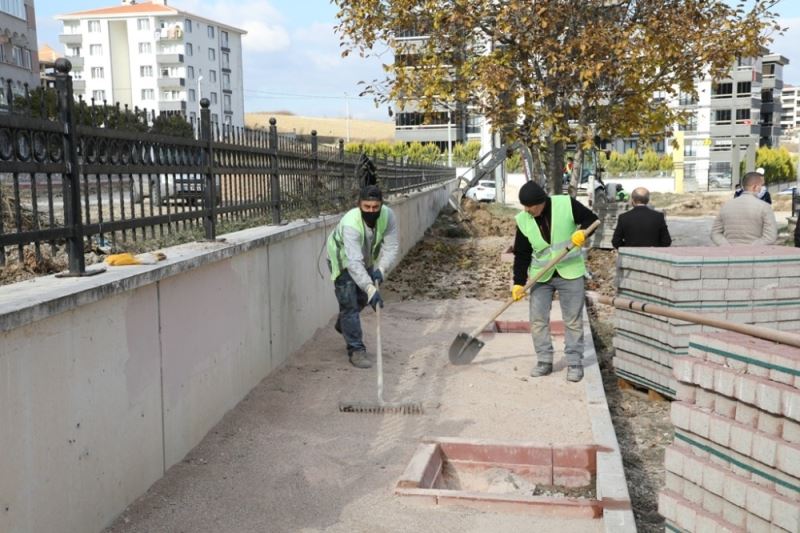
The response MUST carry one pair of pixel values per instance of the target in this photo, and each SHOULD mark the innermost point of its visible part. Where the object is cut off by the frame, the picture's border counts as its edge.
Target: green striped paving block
(745, 359)
(646, 383)
(748, 260)
(695, 443)
(653, 344)
(708, 305)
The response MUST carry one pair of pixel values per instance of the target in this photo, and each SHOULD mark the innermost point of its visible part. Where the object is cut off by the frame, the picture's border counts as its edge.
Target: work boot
(575, 373)
(360, 359)
(541, 369)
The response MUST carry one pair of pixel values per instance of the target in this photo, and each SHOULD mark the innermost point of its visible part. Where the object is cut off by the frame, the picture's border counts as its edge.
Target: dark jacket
(523, 251)
(797, 233)
(641, 226)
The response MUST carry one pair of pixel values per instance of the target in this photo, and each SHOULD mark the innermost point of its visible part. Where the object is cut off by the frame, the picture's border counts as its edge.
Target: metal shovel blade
(464, 349)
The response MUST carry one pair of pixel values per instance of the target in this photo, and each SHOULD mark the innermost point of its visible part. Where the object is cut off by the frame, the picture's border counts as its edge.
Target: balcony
(168, 59)
(78, 85)
(172, 105)
(734, 130)
(70, 38)
(169, 34)
(75, 61)
(169, 82)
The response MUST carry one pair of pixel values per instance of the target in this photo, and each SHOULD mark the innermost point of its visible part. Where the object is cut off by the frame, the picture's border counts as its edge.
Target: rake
(381, 406)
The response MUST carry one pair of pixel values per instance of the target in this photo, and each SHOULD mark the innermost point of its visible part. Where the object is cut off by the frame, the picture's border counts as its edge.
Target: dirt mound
(33, 266)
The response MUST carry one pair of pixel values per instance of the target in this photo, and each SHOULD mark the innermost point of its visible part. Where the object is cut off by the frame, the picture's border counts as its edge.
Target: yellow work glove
(122, 259)
(578, 238)
(518, 292)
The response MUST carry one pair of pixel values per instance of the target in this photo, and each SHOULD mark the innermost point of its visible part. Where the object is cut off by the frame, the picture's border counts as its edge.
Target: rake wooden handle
(550, 264)
(782, 337)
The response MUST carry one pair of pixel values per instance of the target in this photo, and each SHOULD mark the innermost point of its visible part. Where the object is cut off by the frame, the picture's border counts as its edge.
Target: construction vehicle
(486, 165)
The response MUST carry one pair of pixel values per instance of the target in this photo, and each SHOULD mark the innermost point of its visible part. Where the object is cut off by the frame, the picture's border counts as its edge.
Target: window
(214, 118)
(192, 96)
(212, 75)
(689, 149)
(769, 70)
(226, 81)
(192, 117)
(743, 88)
(745, 62)
(226, 60)
(722, 90)
(146, 71)
(766, 96)
(190, 72)
(97, 73)
(223, 36)
(187, 25)
(766, 119)
(94, 26)
(722, 116)
(743, 116)
(148, 94)
(686, 99)
(145, 48)
(214, 99)
(99, 96)
(691, 124)
(95, 49)
(142, 24)
(212, 54)
(211, 33)
(74, 51)
(226, 103)
(189, 49)
(14, 8)
(630, 144)
(229, 120)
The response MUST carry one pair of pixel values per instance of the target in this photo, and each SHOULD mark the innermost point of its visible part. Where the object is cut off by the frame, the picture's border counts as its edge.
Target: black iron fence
(77, 174)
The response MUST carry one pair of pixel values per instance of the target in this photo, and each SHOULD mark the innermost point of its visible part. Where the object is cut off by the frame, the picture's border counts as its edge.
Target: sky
(292, 58)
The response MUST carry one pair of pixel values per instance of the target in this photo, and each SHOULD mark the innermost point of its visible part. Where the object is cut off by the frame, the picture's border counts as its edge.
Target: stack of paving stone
(607, 212)
(734, 464)
(746, 284)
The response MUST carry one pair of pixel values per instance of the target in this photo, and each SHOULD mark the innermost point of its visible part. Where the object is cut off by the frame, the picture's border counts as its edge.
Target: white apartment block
(790, 113)
(18, 58)
(156, 57)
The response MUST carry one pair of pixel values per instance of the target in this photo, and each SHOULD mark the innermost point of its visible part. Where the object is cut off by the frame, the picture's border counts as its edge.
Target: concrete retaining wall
(107, 381)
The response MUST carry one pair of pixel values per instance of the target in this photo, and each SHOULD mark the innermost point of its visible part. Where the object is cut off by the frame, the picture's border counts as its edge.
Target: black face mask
(370, 218)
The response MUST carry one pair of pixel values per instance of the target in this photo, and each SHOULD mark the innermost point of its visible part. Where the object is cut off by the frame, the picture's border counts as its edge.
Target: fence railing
(78, 174)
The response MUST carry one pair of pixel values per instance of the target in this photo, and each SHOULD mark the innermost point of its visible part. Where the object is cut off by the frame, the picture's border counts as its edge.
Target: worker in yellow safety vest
(546, 226)
(361, 250)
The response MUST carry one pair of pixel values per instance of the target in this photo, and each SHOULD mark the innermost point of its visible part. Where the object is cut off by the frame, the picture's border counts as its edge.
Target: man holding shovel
(546, 226)
(361, 250)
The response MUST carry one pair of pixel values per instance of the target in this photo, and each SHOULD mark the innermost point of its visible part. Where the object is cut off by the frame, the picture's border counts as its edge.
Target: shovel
(466, 346)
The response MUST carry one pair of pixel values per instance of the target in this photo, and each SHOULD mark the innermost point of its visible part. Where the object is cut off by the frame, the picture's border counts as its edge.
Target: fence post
(210, 197)
(274, 176)
(72, 197)
(315, 186)
(345, 189)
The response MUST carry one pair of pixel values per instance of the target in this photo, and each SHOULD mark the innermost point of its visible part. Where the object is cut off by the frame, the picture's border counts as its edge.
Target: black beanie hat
(531, 194)
(370, 192)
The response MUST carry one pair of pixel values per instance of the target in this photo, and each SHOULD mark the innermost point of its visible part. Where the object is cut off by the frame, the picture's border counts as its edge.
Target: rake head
(409, 408)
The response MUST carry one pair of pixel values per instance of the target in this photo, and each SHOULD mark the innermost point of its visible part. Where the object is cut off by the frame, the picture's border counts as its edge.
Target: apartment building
(156, 57)
(19, 63)
(449, 122)
(790, 112)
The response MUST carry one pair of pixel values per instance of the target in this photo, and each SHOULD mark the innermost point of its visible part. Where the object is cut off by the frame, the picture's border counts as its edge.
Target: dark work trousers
(351, 301)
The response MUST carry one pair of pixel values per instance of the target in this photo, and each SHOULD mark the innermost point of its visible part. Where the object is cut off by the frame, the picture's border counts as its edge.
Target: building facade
(155, 57)
(790, 112)
(19, 63)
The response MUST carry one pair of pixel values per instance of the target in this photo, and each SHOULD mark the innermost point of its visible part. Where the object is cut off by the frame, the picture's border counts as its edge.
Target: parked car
(484, 191)
(789, 191)
(719, 181)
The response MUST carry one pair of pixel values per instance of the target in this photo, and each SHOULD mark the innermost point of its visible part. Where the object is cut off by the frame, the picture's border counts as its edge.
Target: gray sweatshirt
(359, 258)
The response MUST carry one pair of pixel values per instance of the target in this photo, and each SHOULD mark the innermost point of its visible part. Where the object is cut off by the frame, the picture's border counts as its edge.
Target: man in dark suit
(641, 226)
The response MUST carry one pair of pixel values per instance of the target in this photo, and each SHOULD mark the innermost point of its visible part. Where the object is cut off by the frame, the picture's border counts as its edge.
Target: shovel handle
(550, 264)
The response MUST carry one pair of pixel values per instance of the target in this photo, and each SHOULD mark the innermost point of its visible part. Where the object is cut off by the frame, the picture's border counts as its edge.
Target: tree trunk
(577, 171)
(556, 170)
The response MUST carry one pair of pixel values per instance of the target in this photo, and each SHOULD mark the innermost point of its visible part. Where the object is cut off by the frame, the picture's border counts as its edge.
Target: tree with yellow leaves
(552, 72)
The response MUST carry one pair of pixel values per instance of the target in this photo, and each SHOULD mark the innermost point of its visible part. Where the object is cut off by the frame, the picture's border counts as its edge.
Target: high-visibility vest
(352, 219)
(562, 226)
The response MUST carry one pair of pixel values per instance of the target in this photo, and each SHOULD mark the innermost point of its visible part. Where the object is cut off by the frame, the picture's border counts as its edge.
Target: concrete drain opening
(553, 480)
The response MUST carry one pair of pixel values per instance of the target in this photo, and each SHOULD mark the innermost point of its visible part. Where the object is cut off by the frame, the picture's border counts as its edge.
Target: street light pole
(449, 138)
